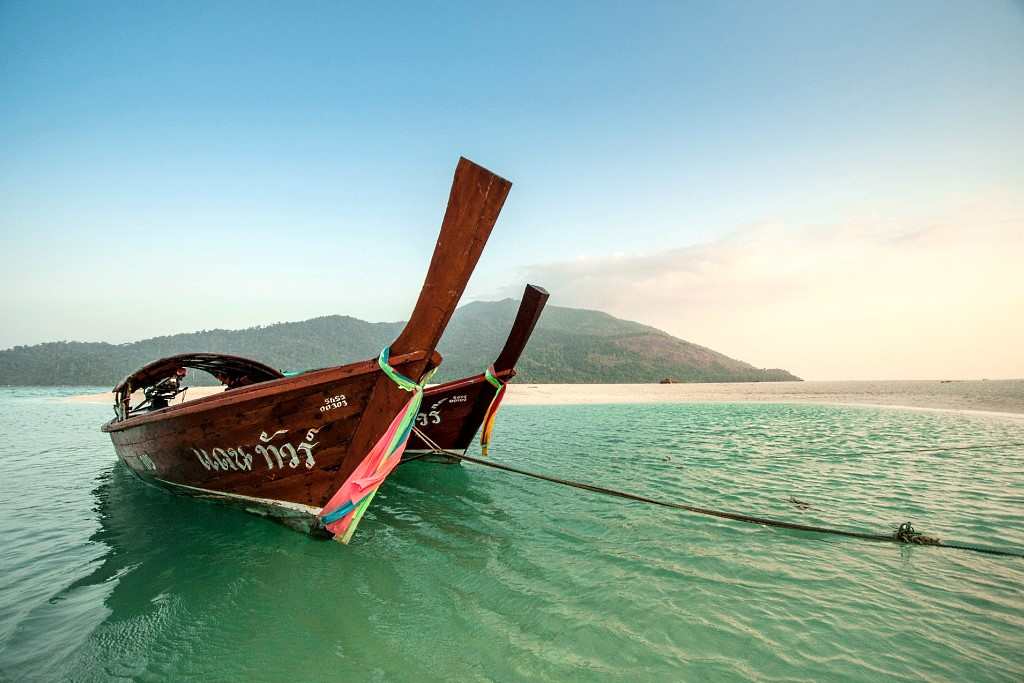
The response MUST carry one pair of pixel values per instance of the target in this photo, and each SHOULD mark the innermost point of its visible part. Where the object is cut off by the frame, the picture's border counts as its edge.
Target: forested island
(569, 346)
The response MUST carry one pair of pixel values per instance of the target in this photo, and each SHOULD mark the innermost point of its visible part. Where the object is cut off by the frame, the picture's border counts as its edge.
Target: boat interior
(157, 385)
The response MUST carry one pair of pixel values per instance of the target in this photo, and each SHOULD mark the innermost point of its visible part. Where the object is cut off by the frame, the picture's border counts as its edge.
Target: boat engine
(163, 392)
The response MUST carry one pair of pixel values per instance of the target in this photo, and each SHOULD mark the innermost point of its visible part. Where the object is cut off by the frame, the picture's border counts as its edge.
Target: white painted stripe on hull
(270, 502)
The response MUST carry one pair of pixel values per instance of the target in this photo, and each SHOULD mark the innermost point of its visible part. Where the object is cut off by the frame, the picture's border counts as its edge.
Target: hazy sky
(830, 187)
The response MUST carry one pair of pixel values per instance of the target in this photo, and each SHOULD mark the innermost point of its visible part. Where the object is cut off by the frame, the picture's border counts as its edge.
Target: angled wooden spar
(453, 412)
(474, 203)
(530, 308)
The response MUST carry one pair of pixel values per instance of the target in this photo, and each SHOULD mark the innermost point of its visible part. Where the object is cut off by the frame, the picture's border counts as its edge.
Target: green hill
(569, 346)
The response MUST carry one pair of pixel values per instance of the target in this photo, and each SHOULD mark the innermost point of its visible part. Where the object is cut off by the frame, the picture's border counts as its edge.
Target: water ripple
(464, 572)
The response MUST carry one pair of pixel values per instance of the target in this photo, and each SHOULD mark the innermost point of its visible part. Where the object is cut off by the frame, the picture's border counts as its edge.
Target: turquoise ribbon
(401, 435)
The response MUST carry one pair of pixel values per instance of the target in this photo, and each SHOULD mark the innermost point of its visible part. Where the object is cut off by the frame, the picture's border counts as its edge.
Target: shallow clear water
(470, 573)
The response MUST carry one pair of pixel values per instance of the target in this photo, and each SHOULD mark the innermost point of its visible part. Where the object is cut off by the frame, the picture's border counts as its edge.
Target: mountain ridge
(569, 345)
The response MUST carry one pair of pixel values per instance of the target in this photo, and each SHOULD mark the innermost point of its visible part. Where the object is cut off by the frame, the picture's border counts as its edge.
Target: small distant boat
(453, 412)
(309, 450)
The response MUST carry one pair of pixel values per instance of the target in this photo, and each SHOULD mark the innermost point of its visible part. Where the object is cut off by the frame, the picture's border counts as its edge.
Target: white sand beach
(997, 396)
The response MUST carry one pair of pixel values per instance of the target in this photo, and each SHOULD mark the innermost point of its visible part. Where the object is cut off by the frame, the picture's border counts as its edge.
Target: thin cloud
(862, 300)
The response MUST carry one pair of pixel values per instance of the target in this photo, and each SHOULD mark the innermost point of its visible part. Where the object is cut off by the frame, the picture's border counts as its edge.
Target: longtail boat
(308, 450)
(453, 412)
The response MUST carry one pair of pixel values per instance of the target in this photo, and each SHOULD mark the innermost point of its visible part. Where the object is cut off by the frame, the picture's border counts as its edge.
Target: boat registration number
(333, 402)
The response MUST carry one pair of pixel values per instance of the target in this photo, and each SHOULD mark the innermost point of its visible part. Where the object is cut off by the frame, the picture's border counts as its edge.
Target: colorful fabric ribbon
(492, 409)
(348, 505)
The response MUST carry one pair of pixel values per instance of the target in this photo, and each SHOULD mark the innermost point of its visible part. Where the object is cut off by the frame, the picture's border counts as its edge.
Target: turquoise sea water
(466, 573)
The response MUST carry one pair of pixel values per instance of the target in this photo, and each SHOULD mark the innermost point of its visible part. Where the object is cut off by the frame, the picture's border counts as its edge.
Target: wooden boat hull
(452, 413)
(275, 448)
(284, 447)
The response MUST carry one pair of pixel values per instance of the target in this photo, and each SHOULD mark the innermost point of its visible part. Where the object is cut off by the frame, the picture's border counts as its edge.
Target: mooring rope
(905, 534)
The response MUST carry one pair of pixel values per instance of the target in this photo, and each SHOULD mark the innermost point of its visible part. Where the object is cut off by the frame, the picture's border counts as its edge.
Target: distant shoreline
(995, 397)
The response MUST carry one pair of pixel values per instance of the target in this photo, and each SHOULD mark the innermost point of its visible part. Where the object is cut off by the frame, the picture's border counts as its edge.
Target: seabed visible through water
(464, 572)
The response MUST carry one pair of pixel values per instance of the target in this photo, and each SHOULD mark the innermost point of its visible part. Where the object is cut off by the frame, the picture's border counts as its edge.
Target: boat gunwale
(264, 389)
(455, 384)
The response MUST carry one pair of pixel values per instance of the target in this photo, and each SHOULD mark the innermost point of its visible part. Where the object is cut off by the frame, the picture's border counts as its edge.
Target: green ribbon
(398, 378)
(494, 381)
(411, 409)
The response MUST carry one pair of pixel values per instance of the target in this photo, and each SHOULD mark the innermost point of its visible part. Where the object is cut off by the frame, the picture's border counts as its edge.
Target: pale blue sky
(272, 160)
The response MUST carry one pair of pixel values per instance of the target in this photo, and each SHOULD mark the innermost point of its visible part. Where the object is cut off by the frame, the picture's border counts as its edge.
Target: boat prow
(455, 411)
(285, 446)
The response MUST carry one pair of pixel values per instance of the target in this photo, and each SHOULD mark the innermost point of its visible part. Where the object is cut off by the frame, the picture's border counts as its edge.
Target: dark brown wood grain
(530, 308)
(453, 412)
(474, 203)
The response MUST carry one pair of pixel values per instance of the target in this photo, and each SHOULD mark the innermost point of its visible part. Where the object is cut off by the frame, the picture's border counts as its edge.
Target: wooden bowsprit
(454, 411)
(347, 506)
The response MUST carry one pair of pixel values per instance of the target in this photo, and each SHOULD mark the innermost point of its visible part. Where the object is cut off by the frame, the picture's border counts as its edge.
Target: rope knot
(907, 534)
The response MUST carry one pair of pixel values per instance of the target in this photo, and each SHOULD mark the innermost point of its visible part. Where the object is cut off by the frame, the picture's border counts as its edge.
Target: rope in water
(905, 534)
